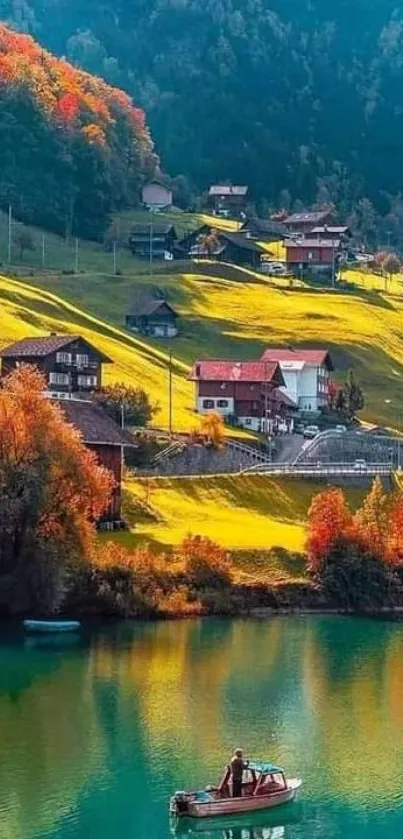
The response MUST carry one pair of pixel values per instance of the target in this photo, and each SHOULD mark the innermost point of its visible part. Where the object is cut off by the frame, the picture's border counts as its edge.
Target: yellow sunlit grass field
(238, 511)
(220, 318)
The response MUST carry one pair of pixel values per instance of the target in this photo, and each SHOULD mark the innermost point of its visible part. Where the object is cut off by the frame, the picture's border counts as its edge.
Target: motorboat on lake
(258, 824)
(264, 785)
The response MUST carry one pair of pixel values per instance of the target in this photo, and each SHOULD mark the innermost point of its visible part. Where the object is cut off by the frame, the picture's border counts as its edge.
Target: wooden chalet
(237, 248)
(266, 230)
(324, 231)
(303, 223)
(152, 241)
(69, 362)
(227, 199)
(152, 316)
(243, 390)
(103, 436)
(315, 252)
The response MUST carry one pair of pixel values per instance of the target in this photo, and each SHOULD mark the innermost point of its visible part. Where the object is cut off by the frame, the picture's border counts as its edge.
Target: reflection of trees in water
(50, 742)
(353, 673)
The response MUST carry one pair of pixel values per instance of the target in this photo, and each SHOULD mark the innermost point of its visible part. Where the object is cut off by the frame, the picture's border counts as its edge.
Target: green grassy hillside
(238, 511)
(238, 319)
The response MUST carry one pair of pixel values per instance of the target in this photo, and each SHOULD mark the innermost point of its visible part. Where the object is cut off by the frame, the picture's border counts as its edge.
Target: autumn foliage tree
(51, 491)
(329, 521)
(73, 148)
(212, 429)
(354, 557)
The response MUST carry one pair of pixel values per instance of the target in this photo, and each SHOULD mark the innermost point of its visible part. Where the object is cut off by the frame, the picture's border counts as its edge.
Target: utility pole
(76, 263)
(170, 392)
(122, 414)
(114, 259)
(266, 400)
(333, 266)
(151, 249)
(10, 225)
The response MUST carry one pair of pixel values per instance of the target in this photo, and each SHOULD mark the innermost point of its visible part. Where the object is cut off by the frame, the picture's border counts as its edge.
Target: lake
(95, 734)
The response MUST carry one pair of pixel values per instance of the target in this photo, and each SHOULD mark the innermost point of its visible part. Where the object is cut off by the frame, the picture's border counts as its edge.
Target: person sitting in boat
(237, 766)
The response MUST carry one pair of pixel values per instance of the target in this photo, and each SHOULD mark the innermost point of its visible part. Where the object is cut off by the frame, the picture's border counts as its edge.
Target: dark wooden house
(324, 231)
(103, 436)
(70, 363)
(303, 223)
(153, 240)
(154, 317)
(237, 248)
(266, 230)
(227, 199)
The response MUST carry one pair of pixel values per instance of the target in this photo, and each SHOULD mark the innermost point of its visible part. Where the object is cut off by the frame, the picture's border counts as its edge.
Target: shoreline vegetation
(52, 561)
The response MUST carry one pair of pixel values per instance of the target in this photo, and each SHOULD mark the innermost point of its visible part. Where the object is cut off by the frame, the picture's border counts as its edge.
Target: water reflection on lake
(96, 735)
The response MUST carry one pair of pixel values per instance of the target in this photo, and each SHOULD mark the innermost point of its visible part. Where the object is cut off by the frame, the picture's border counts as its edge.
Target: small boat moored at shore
(51, 626)
(264, 785)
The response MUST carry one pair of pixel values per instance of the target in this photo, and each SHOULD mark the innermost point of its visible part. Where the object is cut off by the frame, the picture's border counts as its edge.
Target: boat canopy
(264, 768)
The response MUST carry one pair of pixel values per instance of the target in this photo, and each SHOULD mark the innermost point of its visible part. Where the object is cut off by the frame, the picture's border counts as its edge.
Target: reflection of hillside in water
(160, 706)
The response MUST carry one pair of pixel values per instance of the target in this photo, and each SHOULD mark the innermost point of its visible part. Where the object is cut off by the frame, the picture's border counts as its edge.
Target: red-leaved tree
(329, 521)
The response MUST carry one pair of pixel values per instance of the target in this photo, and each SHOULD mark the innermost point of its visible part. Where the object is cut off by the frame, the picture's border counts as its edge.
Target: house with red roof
(247, 391)
(306, 374)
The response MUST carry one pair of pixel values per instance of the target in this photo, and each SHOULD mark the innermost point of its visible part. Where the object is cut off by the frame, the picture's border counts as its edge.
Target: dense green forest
(294, 97)
(72, 147)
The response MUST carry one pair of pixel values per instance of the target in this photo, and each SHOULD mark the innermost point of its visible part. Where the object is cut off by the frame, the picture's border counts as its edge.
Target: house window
(208, 403)
(248, 421)
(63, 357)
(222, 403)
(58, 378)
(82, 360)
(223, 385)
(310, 254)
(87, 381)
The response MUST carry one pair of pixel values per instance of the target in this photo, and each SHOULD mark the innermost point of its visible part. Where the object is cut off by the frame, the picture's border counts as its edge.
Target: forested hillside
(302, 95)
(72, 147)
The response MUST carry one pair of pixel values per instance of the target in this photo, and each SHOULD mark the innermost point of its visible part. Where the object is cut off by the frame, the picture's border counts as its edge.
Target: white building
(306, 374)
(156, 195)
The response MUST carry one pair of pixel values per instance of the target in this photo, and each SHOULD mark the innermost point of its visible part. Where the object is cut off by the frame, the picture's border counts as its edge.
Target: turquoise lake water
(96, 734)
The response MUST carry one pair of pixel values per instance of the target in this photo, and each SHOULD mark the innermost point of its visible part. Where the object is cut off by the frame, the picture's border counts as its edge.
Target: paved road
(289, 447)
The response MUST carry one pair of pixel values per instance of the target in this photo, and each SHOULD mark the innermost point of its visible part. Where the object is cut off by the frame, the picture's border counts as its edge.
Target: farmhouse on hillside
(265, 230)
(339, 232)
(152, 241)
(70, 363)
(73, 368)
(153, 317)
(103, 436)
(303, 223)
(312, 252)
(227, 200)
(245, 392)
(155, 195)
(225, 246)
(306, 374)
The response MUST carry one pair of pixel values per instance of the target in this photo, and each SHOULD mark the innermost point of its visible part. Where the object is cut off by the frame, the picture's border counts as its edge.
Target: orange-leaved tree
(329, 521)
(395, 541)
(51, 491)
(212, 429)
(372, 521)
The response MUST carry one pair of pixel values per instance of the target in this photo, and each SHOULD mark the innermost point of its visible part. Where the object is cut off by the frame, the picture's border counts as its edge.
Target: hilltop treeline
(72, 147)
(280, 94)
